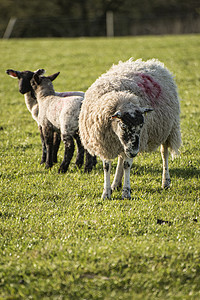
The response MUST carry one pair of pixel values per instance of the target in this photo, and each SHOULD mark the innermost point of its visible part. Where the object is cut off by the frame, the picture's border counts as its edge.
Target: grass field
(58, 238)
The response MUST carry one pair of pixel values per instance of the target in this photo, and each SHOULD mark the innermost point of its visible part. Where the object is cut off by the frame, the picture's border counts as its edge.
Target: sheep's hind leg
(69, 151)
(56, 145)
(90, 162)
(80, 152)
(126, 193)
(117, 182)
(44, 150)
(165, 176)
(107, 187)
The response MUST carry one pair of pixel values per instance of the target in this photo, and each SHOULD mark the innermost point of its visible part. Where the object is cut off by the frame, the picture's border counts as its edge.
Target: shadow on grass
(137, 170)
(185, 173)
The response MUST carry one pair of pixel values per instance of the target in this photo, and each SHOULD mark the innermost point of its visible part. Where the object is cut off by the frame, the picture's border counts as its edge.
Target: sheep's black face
(130, 139)
(130, 133)
(128, 129)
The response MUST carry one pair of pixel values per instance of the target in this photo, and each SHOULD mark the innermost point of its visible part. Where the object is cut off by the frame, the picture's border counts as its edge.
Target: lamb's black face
(43, 81)
(24, 78)
(24, 81)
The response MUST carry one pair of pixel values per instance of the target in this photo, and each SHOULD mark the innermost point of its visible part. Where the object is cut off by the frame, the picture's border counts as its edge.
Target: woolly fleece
(143, 83)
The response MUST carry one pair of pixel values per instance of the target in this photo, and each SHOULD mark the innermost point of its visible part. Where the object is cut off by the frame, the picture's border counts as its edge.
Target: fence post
(109, 24)
(9, 28)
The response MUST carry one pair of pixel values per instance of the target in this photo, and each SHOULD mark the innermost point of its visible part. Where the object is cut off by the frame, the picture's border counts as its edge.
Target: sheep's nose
(24, 90)
(133, 148)
(132, 154)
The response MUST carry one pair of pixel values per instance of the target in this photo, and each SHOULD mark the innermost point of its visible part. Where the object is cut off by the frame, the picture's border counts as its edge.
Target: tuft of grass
(58, 238)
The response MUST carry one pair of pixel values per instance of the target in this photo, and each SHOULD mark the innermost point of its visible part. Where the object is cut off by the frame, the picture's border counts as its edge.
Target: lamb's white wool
(62, 113)
(111, 118)
(59, 114)
(31, 102)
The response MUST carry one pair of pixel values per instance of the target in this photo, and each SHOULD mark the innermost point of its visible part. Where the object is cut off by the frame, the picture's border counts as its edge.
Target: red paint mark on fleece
(151, 88)
(59, 106)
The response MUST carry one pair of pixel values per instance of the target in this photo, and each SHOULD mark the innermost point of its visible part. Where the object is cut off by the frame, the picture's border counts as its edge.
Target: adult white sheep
(133, 107)
(58, 114)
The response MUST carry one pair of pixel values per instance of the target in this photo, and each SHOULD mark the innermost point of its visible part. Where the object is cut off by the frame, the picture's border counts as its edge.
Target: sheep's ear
(40, 71)
(52, 77)
(145, 110)
(12, 73)
(37, 78)
(117, 115)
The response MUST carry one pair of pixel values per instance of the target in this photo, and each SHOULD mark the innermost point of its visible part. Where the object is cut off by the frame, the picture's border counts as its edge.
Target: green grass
(58, 238)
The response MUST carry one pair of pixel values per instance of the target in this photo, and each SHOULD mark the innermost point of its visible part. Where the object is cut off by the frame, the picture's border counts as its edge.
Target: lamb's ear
(37, 78)
(40, 71)
(52, 77)
(12, 73)
(145, 110)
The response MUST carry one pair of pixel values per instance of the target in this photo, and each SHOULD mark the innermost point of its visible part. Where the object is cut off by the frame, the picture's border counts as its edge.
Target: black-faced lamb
(26, 89)
(133, 107)
(59, 114)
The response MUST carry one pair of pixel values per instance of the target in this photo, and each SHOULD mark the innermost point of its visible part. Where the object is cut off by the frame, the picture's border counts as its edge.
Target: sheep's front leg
(44, 150)
(107, 187)
(80, 152)
(69, 151)
(165, 176)
(56, 145)
(126, 193)
(48, 138)
(117, 182)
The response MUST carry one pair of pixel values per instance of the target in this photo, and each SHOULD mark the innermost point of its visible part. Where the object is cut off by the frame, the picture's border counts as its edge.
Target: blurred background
(76, 18)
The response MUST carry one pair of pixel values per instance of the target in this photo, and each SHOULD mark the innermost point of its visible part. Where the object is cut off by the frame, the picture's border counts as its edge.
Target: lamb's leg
(48, 137)
(107, 187)
(80, 152)
(94, 160)
(126, 193)
(69, 151)
(56, 145)
(117, 182)
(165, 176)
(90, 162)
(44, 150)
